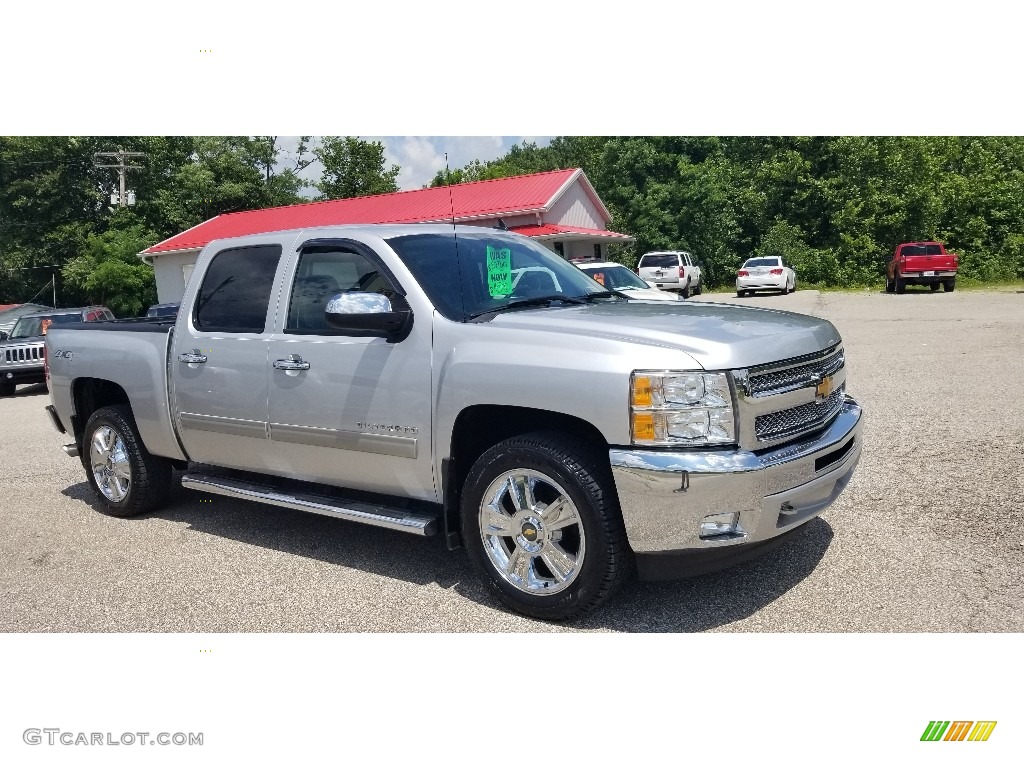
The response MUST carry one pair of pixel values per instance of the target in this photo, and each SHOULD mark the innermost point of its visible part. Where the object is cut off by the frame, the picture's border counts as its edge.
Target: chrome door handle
(192, 357)
(293, 363)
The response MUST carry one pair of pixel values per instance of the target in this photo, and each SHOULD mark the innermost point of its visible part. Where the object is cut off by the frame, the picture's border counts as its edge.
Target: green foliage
(834, 206)
(353, 168)
(109, 271)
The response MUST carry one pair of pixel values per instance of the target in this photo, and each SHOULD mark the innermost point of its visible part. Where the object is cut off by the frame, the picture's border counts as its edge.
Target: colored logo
(824, 389)
(958, 730)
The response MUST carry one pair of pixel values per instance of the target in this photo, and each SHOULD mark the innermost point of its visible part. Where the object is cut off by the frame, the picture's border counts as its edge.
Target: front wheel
(127, 479)
(7, 388)
(542, 525)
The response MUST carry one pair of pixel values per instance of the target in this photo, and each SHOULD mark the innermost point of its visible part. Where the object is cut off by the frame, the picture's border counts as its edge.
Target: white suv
(671, 271)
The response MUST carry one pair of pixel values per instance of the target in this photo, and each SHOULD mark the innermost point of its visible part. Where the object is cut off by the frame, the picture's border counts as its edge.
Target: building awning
(562, 232)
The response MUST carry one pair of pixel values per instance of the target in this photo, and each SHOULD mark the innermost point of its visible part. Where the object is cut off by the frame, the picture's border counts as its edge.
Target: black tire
(698, 290)
(7, 388)
(899, 285)
(596, 542)
(740, 294)
(149, 477)
(685, 292)
(934, 287)
(949, 286)
(890, 285)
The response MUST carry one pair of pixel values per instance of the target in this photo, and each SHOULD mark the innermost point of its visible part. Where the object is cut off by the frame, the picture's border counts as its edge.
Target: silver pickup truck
(469, 383)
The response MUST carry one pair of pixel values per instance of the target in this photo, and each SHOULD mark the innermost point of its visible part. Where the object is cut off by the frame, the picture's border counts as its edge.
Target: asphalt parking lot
(929, 536)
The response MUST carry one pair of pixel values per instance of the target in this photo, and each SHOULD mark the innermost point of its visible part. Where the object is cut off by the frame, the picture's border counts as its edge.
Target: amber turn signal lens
(641, 391)
(643, 426)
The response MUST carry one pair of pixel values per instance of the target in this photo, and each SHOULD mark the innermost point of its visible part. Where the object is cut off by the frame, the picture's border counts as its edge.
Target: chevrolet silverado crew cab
(413, 377)
(21, 354)
(921, 264)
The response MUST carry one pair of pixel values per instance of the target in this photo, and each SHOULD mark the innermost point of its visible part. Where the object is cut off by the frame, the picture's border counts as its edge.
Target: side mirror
(369, 314)
(3, 335)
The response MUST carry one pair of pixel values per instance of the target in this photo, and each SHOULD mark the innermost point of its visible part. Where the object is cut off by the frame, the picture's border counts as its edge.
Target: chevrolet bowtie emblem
(824, 389)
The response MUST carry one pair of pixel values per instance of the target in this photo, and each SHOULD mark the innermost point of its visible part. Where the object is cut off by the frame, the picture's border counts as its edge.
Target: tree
(109, 271)
(353, 168)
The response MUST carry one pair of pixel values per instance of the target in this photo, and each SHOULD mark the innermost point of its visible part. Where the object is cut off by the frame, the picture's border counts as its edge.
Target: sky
(421, 157)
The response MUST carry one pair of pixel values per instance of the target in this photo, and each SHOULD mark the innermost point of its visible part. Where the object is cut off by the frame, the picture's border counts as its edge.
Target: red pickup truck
(924, 263)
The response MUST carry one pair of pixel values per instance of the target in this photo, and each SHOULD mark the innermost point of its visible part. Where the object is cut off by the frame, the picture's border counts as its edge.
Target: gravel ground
(927, 538)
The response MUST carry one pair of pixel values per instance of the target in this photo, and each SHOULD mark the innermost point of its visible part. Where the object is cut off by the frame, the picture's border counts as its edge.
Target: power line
(122, 167)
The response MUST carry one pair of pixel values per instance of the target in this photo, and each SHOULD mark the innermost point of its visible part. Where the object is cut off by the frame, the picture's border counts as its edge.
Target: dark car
(21, 353)
(163, 310)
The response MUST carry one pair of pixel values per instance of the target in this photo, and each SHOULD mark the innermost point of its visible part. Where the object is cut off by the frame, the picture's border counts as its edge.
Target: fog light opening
(724, 525)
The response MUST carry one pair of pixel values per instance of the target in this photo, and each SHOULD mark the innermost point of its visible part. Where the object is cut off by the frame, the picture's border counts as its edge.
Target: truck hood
(21, 341)
(717, 336)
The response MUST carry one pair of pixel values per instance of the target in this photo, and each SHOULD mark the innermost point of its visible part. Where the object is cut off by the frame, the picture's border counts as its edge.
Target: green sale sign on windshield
(499, 271)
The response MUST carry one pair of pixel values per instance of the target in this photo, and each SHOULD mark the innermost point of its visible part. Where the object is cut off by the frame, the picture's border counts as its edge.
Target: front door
(347, 410)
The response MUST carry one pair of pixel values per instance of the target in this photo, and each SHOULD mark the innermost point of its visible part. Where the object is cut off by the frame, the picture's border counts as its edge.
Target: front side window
(236, 289)
(324, 271)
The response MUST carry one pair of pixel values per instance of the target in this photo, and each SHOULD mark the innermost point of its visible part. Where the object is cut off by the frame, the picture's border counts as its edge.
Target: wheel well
(88, 396)
(480, 427)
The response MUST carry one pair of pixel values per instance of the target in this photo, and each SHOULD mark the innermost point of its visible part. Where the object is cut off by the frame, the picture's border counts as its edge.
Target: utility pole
(123, 166)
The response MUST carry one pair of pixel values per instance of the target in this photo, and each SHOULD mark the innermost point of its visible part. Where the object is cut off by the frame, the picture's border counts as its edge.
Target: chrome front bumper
(666, 496)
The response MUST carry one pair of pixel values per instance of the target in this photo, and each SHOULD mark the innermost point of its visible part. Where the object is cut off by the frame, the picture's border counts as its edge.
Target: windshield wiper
(533, 301)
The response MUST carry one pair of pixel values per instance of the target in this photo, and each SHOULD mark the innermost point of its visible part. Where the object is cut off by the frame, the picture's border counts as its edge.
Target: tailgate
(939, 263)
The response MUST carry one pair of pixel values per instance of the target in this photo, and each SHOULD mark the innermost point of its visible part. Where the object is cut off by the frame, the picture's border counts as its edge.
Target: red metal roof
(547, 230)
(475, 199)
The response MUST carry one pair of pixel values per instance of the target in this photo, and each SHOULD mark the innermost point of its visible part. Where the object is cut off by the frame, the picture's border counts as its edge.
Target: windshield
(771, 261)
(615, 278)
(36, 326)
(490, 272)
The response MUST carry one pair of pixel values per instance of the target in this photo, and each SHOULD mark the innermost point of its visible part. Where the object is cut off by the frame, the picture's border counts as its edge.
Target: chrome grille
(802, 418)
(798, 376)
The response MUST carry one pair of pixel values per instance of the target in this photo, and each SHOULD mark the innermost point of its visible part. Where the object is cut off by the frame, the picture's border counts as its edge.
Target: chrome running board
(344, 509)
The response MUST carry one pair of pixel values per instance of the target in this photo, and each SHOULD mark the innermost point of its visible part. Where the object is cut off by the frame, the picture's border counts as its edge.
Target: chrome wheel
(110, 467)
(532, 532)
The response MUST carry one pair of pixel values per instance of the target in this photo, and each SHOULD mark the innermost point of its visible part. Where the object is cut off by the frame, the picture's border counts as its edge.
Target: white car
(616, 277)
(765, 273)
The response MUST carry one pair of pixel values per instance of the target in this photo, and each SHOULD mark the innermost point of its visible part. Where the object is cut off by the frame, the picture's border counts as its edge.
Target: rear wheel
(949, 285)
(685, 292)
(899, 285)
(935, 287)
(127, 479)
(698, 289)
(542, 525)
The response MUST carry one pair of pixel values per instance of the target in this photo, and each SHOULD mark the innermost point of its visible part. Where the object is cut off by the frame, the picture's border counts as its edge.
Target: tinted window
(922, 250)
(488, 271)
(659, 260)
(236, 290)
(767, 262)
(323, 272)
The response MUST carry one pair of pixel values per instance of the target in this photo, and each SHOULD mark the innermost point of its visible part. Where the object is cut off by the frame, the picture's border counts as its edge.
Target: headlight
(669, 408)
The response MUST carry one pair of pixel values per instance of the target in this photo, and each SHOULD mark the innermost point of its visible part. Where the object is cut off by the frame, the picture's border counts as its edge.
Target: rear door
(219, 364)
(349, 410)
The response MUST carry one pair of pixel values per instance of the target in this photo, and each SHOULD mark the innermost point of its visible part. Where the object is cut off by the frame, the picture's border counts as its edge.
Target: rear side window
(236, 288)
(659, 260)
